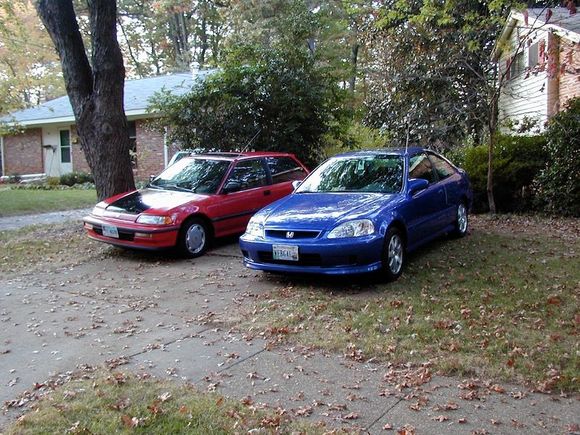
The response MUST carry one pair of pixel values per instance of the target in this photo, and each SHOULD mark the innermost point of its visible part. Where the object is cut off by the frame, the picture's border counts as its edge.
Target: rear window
(285, 169)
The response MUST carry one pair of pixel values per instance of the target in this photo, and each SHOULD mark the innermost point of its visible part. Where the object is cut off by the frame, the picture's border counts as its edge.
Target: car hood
(152, 199)
(319, 211)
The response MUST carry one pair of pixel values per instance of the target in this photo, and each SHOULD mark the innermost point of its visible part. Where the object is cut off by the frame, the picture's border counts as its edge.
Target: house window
(132, 129)
(517, 65)
(533, 55)
(65, 146)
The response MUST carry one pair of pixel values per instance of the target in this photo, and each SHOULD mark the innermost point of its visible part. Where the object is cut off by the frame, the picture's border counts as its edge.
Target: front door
(65, 152)
(236, 208)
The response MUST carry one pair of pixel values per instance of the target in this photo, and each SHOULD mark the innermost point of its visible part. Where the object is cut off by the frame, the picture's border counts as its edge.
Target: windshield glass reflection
(380, 174)
(192, 175)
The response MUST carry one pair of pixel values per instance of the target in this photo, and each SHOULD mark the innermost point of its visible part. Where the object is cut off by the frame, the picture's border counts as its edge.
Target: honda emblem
(290, 234)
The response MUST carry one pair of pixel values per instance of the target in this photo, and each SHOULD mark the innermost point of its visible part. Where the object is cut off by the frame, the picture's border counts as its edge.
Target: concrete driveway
(172, 318)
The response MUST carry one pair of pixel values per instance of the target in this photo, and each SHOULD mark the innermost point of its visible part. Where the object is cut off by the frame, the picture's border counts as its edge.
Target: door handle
(267, 192)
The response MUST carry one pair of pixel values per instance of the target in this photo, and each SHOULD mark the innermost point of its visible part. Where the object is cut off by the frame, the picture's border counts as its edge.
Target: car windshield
(192, 175)
(382, 174)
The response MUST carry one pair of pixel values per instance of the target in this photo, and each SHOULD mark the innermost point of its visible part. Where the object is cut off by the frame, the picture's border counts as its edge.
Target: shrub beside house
(42, 140)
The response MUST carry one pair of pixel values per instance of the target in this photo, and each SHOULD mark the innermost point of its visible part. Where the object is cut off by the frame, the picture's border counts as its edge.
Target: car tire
(393, 257)
(461, 221)
(194, 238)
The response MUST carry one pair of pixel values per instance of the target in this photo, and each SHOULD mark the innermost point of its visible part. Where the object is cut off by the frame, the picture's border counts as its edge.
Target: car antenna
(250, 141)
(407, 139)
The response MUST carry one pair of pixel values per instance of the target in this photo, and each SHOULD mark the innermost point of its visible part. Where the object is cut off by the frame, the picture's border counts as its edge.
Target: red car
(196, 199)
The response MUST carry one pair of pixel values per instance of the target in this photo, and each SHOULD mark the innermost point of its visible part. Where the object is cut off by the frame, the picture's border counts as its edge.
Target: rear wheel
(461, 221)
(393, 254)
(194, 238)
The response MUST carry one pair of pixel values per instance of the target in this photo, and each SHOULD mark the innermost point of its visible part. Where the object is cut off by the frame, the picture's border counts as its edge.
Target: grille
(281, 234)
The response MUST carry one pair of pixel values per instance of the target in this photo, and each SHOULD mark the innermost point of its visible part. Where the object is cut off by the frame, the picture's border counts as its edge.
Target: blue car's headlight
(361, 227)
(255, 227)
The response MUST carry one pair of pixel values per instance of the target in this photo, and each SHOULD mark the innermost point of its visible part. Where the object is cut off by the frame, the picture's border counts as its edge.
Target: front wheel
(194, 238)
(393, 254)
(461, 221)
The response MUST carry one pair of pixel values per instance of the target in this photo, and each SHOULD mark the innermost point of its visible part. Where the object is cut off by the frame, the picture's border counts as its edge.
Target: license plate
(110, 231)
(285, 252)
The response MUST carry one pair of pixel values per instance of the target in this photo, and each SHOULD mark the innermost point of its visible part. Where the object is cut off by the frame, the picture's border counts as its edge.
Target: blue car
(360, 212)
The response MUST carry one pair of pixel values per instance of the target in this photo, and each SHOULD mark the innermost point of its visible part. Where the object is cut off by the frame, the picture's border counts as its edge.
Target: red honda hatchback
(196, 199)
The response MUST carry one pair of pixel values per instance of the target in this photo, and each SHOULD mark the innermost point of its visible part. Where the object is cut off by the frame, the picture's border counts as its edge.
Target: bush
(558, 184)
(517, 161)
(73, 178)
(353, 136)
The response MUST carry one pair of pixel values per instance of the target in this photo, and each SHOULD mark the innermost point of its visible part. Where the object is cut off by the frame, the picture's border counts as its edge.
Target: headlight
(98, 211)
(154, 220)
(361, 227)
(255, 227)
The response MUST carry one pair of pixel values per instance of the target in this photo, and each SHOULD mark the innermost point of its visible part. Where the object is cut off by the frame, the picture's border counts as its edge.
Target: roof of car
(392, 151)
(239, 155)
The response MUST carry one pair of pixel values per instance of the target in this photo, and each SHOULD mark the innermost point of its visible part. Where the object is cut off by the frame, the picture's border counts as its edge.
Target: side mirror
(151, 178)
(417, 184)
(232, 186)
(296, 183)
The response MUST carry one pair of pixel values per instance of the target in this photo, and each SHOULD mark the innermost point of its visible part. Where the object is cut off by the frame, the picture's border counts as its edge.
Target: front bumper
(132, 235)
(318, 256)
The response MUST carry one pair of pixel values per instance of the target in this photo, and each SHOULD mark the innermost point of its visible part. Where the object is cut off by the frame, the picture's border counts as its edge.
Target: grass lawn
(27, 201)
(502, 303)
(118, 403)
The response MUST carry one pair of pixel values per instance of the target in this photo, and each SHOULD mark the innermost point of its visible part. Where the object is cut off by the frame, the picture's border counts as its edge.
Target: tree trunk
(353, 65)
(96, 94)
(492, 125)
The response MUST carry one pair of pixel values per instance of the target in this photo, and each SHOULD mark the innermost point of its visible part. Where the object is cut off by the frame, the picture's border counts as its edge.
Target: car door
(283, 171)
(425, 206)
(235, 208)
(450, 179)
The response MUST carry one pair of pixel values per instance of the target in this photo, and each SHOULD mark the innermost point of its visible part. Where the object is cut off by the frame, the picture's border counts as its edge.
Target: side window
(420, 167)
(65, 154)
(285, 169)
(250, 174)
(442, 167)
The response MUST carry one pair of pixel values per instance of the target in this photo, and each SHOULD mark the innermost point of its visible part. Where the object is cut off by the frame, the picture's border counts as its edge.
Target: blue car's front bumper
(320, 256)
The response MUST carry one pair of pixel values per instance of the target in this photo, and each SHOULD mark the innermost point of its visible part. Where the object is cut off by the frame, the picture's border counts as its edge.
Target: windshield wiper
(175, 187)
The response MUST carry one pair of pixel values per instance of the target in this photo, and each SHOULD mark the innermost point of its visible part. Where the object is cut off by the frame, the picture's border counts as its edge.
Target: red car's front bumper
(132, 235)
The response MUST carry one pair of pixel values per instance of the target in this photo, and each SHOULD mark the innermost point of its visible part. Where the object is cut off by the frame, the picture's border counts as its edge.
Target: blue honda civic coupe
(360, 212)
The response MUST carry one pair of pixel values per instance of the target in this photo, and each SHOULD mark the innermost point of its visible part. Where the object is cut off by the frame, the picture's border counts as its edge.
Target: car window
(285, 169)
(421, 167)
(249, 173)
(381, 174)
(194, 175)
(442, 167)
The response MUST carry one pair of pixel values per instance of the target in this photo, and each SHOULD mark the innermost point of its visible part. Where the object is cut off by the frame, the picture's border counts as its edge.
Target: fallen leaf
(130, 422)
(164, 397)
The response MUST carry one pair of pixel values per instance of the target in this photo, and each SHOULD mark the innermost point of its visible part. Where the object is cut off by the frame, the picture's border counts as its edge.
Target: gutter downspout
(165, 148)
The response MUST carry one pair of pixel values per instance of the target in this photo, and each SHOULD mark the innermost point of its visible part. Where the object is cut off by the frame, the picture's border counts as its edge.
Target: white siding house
(536, 49)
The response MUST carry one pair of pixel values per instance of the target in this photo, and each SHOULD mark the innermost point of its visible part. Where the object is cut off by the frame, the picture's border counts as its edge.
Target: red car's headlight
(154, 220)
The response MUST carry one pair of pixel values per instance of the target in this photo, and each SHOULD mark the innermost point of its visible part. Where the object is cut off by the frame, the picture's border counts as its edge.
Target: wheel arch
(399, 225)
(207, 221)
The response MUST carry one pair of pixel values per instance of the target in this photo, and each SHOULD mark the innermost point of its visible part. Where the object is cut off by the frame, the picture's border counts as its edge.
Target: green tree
(276, 97)
(29, 68)
(168, 35)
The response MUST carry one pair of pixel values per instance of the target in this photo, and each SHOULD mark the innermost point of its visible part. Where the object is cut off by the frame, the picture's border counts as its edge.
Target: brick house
(46, 142)
(539, 53)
